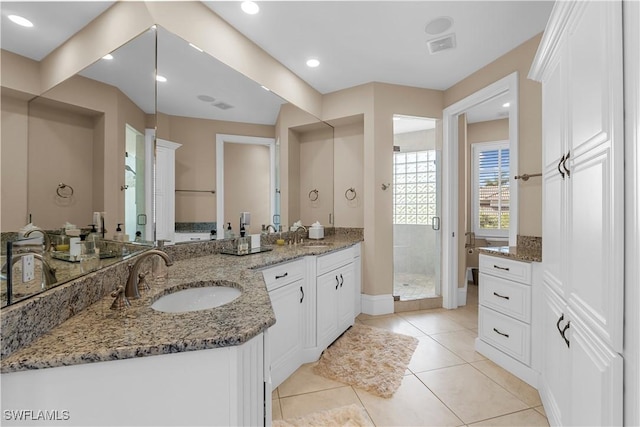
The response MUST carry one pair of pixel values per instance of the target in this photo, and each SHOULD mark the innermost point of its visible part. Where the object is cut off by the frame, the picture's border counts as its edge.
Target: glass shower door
(416, 209)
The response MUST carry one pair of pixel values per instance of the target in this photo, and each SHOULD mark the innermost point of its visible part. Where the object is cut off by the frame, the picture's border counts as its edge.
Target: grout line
(363, 405)
(441, 401)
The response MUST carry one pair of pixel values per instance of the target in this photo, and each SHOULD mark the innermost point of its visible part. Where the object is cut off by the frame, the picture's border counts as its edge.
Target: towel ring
(65, 191)
(350, 190)
(314, 192)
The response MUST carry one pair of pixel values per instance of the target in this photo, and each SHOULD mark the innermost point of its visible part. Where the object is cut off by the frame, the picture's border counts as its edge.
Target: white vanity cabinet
(335, 295)
(216, 387)
(579, 63)
(287, 290)
(505, 313)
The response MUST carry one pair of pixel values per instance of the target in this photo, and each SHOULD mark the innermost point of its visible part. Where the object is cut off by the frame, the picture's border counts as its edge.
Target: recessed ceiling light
(20, 20)
(196, 47)
(313, 63)
(161, 78)
(250, 7)
(506, 104)
(153, 27)
(266, 88)
(108, 57)
(438, 25)
(206, 98)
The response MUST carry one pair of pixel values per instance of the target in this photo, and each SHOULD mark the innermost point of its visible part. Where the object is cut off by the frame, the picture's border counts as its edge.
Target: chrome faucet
(45, 236)
(49, 272)
(131, 290)
(295, 235)
(271, 226)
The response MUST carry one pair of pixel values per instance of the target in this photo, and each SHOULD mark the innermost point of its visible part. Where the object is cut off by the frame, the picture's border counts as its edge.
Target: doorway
(134, 184)
(416, 209)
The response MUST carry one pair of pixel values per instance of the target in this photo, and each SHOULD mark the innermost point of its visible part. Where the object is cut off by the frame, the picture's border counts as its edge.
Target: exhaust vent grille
(441, 44)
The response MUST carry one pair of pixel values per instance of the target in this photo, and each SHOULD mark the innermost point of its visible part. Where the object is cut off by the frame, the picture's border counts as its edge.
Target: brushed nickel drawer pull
(282, 275)
(501, 268)
(500, 333)
(500, 296)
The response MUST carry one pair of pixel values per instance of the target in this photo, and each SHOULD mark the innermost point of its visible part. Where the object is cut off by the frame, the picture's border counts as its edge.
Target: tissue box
(316, 232)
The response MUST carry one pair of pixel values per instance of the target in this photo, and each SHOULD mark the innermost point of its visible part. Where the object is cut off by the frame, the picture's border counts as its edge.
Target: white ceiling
(356, 41)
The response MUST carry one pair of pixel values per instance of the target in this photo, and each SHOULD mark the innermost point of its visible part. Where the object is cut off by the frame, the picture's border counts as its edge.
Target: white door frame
(221, 138)
(450, 178)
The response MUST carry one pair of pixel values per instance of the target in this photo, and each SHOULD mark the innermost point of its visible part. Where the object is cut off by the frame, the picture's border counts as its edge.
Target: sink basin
(194, 299)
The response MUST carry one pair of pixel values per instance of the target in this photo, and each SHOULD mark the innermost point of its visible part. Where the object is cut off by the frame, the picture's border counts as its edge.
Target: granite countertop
(99, 334)
(518, 253)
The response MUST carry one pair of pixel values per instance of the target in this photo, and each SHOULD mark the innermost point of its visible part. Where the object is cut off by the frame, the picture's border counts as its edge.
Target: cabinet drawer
(334, 260)
(282, 274)
(505, 296)
(506, 334)
(506, 268)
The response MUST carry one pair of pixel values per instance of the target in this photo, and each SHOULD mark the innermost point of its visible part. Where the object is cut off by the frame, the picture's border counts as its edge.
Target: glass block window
(490, 189)
(414, 187)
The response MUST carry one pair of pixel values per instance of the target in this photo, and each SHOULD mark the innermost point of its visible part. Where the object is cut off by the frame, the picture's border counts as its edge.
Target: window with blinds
(414, 187)
(490, 189)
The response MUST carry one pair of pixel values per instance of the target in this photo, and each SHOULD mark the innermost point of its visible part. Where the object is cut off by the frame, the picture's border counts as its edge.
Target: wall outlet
(28, 268)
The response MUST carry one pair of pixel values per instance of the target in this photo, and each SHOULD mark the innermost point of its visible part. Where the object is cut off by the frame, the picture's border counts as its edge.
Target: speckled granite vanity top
(100, 334)
(527, 249)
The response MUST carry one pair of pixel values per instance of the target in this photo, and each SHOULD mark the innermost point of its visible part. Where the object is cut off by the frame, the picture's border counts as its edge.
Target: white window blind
(490, 189)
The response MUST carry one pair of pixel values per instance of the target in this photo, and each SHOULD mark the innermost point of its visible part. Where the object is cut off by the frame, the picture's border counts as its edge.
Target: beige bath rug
(372, 359)
(347, 416)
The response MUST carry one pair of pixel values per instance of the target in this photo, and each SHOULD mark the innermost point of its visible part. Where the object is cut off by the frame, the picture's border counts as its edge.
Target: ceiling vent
(442, 43)
(223, 105)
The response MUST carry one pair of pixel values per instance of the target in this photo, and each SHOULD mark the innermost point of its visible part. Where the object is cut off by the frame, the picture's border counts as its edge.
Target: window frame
(476, 149)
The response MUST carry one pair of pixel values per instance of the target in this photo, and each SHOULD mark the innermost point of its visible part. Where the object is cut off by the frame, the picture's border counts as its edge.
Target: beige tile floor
(447, 383)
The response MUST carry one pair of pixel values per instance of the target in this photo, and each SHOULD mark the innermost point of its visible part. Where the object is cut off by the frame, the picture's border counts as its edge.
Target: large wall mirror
(95, 134)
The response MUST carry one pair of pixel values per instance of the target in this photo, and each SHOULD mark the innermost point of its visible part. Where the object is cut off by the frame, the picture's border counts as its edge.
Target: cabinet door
(556, 372)
(596, 389)
(554, 178)
(327, 287)
(595, 191)
(346, 295)
(286, 334)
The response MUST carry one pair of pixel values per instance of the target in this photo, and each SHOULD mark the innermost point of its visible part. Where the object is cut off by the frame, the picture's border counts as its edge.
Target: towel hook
(65, 191)
(315, 197)
(352, 191)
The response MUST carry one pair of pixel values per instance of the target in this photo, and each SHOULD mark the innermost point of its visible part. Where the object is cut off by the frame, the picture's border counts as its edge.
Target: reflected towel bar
(199, 191)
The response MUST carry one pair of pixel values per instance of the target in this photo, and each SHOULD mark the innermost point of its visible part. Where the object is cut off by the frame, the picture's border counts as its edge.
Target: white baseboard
(375, 305)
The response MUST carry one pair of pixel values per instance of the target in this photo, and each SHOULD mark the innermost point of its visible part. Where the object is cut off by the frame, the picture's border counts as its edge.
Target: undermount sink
(194, 299)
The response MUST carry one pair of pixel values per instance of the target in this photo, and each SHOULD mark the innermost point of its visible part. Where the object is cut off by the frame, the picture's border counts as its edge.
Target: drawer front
(506, 334)
(334, 260)
(509, 269)
(506, 296)
(283, 274)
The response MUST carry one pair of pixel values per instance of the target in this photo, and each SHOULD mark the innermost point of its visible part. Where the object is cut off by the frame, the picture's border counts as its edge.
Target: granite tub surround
(529, 248)
(100, 334)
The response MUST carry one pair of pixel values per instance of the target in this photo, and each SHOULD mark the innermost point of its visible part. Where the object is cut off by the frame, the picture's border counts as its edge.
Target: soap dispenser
(228, 233)
(119, 235)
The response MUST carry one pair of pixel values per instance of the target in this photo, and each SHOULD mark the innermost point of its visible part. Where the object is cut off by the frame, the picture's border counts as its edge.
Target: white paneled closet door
(595, 169)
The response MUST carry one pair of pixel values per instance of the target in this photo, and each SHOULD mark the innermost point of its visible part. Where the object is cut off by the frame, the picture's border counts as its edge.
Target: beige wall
(529, 125)
(13, 155)
(316, 173)
(196, 162)
(348, 172)
(246, 185)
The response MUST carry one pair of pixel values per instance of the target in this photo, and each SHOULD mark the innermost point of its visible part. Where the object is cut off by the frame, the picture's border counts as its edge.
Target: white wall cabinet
(165, 189)
(579, 62)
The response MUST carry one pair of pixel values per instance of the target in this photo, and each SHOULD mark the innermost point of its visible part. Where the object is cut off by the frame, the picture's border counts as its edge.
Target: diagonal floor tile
(462, 343)
(395, 324)
(471, 395)
(432, 355)
(433, 323)
(303, 404)
(515, 385)
(304, 380)
(528, 418)
(411, 405)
